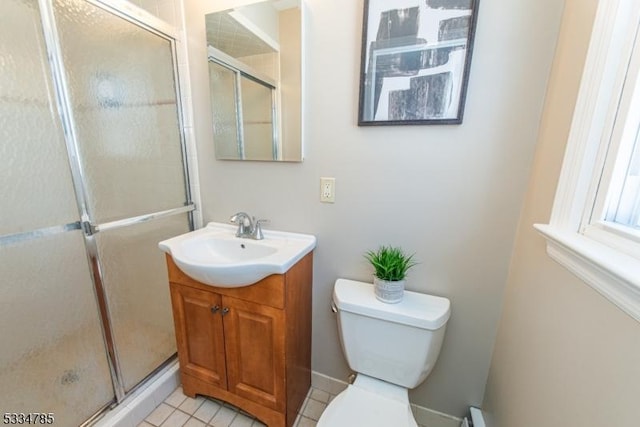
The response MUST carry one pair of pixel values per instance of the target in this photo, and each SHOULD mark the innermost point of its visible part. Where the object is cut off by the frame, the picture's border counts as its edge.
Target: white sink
(215, 256)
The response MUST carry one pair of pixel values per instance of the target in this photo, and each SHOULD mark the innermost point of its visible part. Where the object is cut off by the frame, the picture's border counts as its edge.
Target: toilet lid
(358, 407)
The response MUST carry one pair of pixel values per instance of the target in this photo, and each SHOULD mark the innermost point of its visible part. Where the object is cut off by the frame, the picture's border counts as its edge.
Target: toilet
(391, 347)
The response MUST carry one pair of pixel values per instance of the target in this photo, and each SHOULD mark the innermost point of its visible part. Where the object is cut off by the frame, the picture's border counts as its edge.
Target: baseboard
(325, 383)
(477, 417)
(134, 409)
(424, 416)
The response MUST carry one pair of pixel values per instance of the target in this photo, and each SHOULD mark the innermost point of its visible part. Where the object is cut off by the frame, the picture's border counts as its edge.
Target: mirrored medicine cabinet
(255, 80)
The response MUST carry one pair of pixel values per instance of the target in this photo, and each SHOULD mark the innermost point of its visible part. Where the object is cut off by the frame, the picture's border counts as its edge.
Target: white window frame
(602, 257)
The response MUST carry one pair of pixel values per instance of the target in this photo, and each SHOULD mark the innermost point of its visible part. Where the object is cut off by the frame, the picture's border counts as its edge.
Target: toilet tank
(398, 343)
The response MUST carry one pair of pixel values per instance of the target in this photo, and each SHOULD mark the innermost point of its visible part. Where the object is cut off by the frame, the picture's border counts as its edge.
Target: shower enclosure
(92, 176)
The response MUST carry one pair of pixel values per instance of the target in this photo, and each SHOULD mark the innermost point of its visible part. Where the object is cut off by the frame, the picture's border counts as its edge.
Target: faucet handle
(257, 228)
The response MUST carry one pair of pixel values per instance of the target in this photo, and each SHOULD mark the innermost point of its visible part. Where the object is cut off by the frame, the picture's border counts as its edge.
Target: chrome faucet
(248, 226)
(245, 224)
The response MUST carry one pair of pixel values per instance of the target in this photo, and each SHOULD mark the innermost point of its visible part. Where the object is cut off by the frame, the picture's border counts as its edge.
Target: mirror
(255, 81)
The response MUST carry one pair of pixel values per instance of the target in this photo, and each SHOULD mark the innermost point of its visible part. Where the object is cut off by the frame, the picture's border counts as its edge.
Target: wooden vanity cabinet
(249, 346)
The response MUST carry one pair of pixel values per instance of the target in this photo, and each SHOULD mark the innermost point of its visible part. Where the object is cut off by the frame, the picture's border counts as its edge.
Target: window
(625, 206)
(614, 217)
(594, 228)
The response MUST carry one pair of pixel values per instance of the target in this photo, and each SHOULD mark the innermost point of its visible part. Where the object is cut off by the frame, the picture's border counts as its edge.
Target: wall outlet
(327, 190)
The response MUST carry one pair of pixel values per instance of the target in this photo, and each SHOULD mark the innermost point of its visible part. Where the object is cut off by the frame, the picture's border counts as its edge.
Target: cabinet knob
(225, 310)
(215, 309)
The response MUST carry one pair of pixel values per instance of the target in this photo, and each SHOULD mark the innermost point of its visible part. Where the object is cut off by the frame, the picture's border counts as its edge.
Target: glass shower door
(52, 357)
(120, 79)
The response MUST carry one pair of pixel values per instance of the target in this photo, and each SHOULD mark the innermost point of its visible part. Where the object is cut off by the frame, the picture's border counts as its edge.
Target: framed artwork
(416, 56)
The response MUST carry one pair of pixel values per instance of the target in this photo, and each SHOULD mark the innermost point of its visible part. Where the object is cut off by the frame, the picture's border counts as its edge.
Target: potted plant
(391, 265)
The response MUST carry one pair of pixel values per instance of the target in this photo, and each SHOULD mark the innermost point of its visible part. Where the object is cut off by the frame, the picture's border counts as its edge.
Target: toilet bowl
(362, 406)
(391, 347)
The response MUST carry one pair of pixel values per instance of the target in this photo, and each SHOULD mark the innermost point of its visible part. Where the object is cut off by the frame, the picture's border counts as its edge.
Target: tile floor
(179, 410)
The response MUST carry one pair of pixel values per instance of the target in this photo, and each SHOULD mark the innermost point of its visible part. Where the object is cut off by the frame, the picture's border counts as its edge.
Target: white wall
(565, 355)
(451, 194)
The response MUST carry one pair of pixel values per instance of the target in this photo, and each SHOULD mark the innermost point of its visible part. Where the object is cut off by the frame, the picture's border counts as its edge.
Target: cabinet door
(199, 334)
(255, 352)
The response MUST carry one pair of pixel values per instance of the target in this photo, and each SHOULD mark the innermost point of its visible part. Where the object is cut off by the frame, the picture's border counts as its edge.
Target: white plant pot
(388, 292)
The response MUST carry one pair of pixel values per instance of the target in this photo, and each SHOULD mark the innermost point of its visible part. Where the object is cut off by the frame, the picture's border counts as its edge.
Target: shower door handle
(89, 228)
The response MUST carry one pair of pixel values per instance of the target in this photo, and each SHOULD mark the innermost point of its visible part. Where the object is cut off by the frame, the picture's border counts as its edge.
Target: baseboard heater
(477, 420)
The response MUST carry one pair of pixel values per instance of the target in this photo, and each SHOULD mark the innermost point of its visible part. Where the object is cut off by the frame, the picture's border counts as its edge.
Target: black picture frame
(415, 61)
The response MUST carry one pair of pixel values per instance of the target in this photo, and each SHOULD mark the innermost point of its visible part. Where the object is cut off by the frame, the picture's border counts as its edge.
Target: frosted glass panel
(223, 104)
(34, 160)
(125, 117)
(135, 277)
(122, 90)
(52, 357)
(257, 117)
